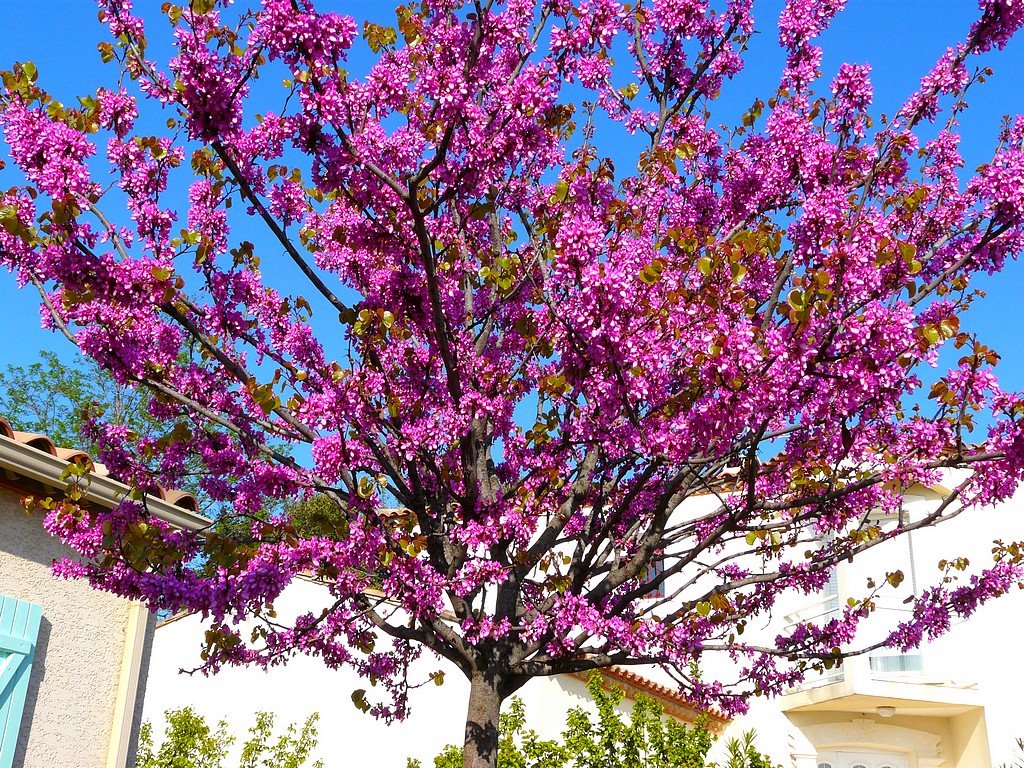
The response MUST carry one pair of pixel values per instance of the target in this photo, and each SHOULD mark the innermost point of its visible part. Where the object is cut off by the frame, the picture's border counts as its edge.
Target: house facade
(73, 660)
(953, 704)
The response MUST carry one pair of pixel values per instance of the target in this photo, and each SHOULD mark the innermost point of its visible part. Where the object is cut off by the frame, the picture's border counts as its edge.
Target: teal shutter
(19, 627)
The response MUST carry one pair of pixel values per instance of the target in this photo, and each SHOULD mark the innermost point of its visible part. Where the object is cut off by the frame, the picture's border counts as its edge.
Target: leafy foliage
(190, 742)
(55, 398)
(742, 753)
(316, 516)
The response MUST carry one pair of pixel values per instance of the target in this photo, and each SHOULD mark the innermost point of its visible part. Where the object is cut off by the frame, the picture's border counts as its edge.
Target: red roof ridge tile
(35, 440)
(673, 702)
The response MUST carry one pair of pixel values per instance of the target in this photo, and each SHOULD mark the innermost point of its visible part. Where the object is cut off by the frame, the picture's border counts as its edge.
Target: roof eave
(43, 468)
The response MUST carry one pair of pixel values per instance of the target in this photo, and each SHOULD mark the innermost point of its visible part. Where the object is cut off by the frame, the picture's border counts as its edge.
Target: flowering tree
(531, 357)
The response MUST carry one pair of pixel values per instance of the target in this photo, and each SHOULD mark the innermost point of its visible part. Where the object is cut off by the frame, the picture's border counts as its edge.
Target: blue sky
(899, 38)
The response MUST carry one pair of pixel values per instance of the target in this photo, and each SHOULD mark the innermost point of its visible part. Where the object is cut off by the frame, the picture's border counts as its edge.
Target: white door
(861, 760)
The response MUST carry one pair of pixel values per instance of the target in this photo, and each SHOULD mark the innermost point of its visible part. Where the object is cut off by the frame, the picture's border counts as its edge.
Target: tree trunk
(481, 747)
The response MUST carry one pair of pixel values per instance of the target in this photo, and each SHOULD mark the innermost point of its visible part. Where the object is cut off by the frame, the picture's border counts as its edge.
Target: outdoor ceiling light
(885, 711)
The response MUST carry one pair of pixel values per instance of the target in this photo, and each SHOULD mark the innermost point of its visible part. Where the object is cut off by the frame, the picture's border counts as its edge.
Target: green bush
(741, 753)
(190, 742)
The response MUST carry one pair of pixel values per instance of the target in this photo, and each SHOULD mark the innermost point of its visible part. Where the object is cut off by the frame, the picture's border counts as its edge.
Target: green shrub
(190, 742)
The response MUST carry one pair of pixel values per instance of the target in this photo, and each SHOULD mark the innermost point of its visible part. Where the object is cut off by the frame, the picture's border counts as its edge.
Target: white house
(347, 736)
(954, 704)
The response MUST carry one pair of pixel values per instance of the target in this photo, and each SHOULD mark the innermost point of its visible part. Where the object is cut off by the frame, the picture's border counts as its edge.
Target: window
(654, 570)
(19, 627)
(907, 662)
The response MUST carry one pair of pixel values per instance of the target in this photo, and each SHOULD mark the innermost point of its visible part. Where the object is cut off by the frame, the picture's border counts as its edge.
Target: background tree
(56, 398)
(60, 399)
(190, 742)
(534, 356)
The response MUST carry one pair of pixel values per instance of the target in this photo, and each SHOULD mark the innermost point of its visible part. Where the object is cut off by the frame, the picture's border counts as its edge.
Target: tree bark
(481, 746)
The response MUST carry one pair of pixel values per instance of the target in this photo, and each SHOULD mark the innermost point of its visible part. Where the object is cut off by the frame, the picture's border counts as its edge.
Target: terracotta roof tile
(182, 499)
(43, 443)
(674, 703)
(73, 454)
(39, 442)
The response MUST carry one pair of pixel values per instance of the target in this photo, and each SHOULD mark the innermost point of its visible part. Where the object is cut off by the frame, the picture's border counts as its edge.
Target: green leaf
(686, 150)
(377, 36)
(359, 700)
(652, 272)
(630, 91)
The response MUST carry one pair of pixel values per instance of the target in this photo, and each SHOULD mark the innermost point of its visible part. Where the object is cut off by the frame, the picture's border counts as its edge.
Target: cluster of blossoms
(33, 139)
(852, 93)
(999, 22)
(523, 370)
(303, 38)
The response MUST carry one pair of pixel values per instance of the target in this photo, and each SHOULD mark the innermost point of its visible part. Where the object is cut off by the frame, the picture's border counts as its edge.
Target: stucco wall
(73, 687)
